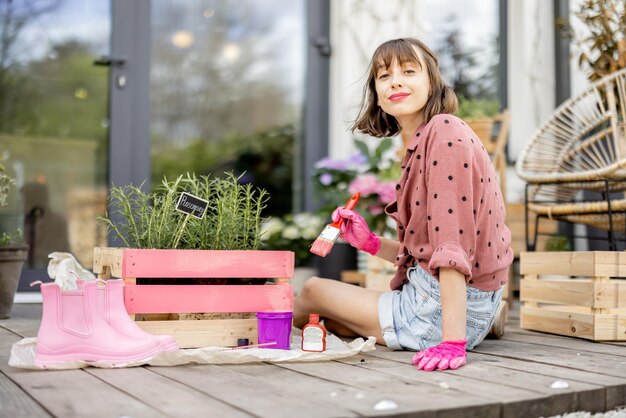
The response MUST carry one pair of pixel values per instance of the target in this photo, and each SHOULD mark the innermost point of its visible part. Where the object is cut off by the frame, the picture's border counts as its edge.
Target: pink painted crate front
(131, 264)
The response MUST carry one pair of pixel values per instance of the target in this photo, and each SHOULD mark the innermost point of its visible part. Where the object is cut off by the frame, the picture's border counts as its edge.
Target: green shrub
(477, 108)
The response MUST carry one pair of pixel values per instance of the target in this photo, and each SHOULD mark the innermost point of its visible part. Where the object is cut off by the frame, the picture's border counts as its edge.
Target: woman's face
(403, 90)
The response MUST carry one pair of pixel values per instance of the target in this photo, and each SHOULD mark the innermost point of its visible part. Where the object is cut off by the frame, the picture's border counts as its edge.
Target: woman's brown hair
(441, 99)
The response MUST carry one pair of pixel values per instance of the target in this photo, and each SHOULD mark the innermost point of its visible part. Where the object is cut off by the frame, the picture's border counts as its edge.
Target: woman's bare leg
(353, 307)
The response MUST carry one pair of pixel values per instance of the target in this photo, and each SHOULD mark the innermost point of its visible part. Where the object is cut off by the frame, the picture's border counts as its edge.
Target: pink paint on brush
(326, 239)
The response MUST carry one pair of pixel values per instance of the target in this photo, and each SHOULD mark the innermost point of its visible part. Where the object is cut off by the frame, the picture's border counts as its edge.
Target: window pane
(53, 124)
(465, 38)
(227, 90)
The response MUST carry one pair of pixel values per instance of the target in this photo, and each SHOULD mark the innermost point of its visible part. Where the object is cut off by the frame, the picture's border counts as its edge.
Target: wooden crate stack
(160, 301)
(379, 273)
(587, 300)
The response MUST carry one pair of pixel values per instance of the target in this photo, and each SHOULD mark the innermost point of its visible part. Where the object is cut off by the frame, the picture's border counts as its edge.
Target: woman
(453, 249)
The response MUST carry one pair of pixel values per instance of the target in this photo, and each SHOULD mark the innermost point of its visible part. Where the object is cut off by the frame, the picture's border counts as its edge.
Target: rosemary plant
(150, 220)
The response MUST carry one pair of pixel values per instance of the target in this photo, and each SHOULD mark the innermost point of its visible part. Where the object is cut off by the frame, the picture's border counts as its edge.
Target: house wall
(531, 76)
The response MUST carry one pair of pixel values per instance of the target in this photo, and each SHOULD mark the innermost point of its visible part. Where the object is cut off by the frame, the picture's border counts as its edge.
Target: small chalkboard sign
(192, 205)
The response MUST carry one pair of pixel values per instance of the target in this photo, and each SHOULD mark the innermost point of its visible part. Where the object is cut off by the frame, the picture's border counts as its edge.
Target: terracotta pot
(482, 127)
(11, 262)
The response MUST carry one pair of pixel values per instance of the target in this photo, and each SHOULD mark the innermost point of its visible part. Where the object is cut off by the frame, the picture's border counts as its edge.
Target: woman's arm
(388, 249)
(450, 354)
(453, 304)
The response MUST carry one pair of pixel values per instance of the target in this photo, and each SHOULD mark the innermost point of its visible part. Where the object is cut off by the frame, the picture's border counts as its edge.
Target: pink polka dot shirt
(449, 208)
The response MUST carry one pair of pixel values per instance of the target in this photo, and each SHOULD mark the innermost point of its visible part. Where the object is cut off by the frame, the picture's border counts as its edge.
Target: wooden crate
(160, 301)
(379, 273)
(587, 299)
(515, 220)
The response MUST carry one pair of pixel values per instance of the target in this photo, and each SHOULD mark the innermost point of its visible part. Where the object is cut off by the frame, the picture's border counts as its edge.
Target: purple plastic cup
(275, 326)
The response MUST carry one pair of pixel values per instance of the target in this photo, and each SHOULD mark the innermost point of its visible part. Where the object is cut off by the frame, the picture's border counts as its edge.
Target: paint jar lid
(274, 315)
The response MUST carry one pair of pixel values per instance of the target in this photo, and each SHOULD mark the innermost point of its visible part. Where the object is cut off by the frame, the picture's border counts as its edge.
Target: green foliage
(557, 243)
(5, 186)
(477, 108)
(65, 82)
(150, 220)
(11, 239)
(8, 238)
(604, 49)
(266, 157)
(471, 71)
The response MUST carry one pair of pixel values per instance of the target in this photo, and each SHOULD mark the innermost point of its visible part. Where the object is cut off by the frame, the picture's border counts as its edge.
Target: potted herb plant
(13, 253)
(150, 220)
(479, 115)
(180, 267)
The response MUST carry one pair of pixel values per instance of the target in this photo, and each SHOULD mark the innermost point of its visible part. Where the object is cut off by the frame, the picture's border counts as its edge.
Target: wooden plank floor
(510, 377)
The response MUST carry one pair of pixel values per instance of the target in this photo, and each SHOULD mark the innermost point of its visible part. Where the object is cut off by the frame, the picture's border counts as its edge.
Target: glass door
(54, 126)
(227, 91)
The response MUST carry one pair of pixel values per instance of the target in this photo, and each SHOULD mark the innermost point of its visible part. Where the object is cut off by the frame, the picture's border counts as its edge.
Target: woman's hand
(447, 355)
(356, 232)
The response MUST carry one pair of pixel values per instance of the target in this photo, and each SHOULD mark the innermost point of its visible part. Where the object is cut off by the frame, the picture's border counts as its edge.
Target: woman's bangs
(404, 52)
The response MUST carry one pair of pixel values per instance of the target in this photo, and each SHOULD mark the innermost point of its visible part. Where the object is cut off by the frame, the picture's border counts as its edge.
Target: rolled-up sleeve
(451, 204)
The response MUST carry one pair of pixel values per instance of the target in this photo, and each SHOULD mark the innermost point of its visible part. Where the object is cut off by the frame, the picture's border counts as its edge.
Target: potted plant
(602, 50)
(200, 278)
(13, 253)
(479, 115)
(373, 171)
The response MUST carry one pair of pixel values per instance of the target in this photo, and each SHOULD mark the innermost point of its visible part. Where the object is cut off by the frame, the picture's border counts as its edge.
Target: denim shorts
(410, 318)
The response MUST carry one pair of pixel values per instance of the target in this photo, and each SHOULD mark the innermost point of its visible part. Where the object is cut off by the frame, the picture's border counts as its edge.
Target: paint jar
(314, 335)
(275, 327)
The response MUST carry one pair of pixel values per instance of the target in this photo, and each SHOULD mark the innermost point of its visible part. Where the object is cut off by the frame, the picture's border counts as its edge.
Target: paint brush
(254, 345)
(326, 239)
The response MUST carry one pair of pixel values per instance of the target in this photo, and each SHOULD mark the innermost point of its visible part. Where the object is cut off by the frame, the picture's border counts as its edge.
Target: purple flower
(331, 164)
(357, 161)
(326, 179)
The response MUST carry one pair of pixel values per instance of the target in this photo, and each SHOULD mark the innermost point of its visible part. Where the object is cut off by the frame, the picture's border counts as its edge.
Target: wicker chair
(581, 147)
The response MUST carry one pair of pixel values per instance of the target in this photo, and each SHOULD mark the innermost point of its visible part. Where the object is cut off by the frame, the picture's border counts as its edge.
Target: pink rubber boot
(112, 309)
(72, 329)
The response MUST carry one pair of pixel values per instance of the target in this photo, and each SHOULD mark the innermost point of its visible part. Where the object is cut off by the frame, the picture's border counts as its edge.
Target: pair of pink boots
(91, 324)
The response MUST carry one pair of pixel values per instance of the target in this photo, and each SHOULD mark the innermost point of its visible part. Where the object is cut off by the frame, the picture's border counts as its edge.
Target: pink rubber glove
(447, 355)
(354, 231)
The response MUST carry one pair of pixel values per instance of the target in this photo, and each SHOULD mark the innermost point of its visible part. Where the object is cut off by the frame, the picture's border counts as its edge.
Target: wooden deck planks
(510, 377)
(167, 396)
(605, 364)
(338, 397)
(421, 400)
(16, 403)
(71, 393)
(258, 395)
(519, 393)
(614, 388)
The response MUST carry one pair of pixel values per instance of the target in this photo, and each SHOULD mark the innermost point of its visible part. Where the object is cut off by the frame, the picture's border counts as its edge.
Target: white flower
(311, 233)
(270, 227)
(302, 219)
(291, 232)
